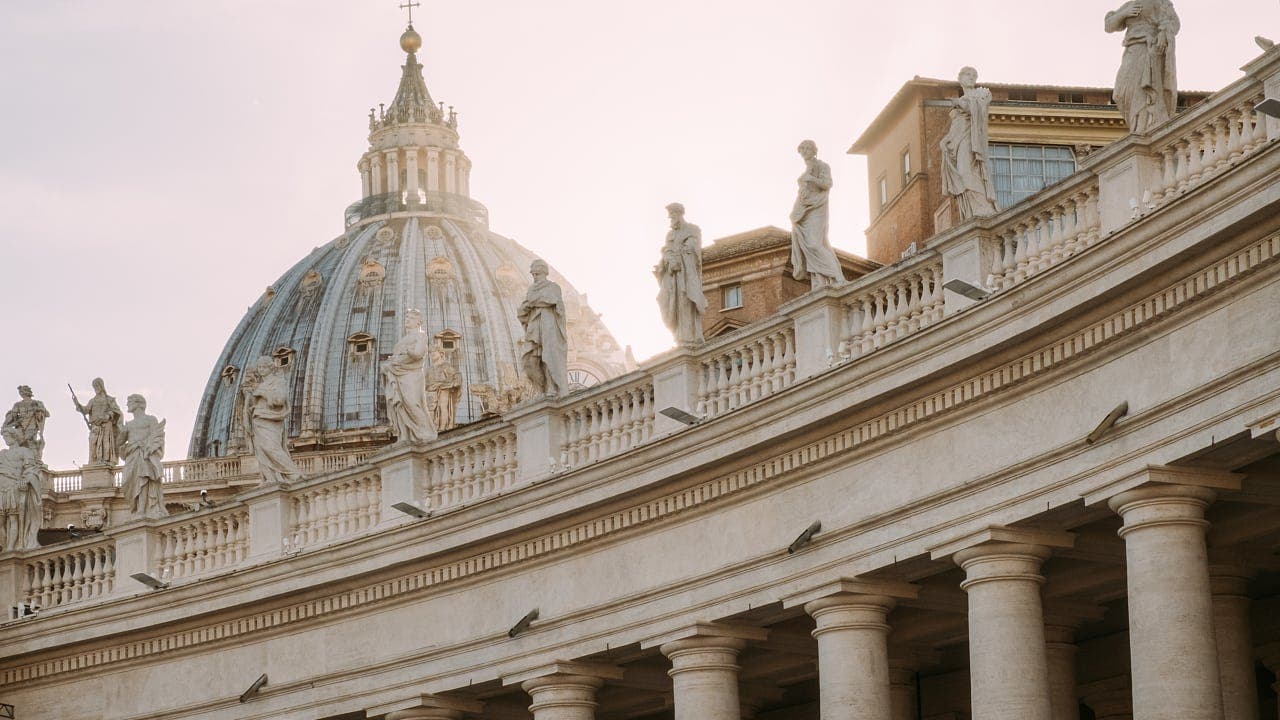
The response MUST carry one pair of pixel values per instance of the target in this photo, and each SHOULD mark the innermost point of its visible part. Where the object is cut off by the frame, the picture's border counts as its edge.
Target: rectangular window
(732, 297)
(906, 167)
(1020, 171)
(1023, 96)
(884, 191)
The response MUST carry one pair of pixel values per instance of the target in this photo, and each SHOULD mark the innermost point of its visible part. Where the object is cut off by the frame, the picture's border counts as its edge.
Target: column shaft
(902, 694)
(1234, 635)
(1060, 651)
(704, 677)
(853, 656)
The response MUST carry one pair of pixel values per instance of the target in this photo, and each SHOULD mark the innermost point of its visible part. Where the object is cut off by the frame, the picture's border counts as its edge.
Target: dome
(416, 240)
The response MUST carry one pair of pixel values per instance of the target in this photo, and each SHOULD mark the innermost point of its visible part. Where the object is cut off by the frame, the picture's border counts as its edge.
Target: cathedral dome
(416, 240)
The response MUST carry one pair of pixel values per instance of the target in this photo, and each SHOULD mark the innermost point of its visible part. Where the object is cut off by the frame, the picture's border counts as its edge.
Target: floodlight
(254, 688)
(1269, 107)
(1108, 422)
(681, 416)
(22, 610)
(805, 538)
(150, 581)
(6, 711)
(960, 287)
(524, 623)
(71, 530)
(409, 508)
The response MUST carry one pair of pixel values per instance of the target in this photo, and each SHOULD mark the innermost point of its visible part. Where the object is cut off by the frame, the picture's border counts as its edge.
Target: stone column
(564, 690)
(450, 171)
(375, 164)
(1060, 652)
(464, 178)
(902, 693)
(1109, 699)
(1230, 587)
(411, 172)
(704, 668)
(366, 182)
(1172, 647)
(433, 170)
(853, 653)
(393, 171)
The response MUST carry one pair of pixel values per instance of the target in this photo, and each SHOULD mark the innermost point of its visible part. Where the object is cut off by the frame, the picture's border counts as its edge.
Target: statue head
(99, 386)
(539, 269)
(24, 392)
(136, 403)
(261, 368)
(968, 77)
(10, 436)
(675, 211)
(808, 149)
(412, 320)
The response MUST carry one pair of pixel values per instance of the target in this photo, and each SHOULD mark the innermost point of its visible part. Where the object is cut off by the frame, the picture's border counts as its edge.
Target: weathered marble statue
(444, 382)
(812, 257)
(26, 418)
(1147, 85)
(142, 445)
(545, 358)
(405, 384)
(105, 420)
(966, 176)
(265, 397)
(679, 276)
(21, 513)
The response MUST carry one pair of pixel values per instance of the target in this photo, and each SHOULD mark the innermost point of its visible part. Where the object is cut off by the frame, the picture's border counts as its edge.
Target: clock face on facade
(580, 379)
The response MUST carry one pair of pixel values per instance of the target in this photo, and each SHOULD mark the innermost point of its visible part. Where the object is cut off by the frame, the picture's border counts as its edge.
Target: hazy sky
(163, 161)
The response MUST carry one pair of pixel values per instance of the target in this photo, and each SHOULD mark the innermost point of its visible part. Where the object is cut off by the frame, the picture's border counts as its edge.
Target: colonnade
(1190, 641)
(444, 170)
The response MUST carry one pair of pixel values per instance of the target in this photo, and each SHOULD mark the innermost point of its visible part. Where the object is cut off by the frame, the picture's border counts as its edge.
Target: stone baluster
(1195, 170)
(867, 330)
(1235, 147)
(1221, 144)
(1183, 149)
(1169, 180)
(1021, 231)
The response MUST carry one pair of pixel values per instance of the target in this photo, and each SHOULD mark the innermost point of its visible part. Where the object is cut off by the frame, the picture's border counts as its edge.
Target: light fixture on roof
(1269, 107)
(1108, 422)
(805, 538)
(6, 711)
(969, 290)
(254, 688)
(409, 508)
(150, 580)
(681, 416)
(523, 624)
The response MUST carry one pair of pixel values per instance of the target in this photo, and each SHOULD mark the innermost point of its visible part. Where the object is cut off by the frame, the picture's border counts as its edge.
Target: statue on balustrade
(444, 382)
(1147, 84)
(966, 175)
(105, 420)
(545, 355)
(812, 257)
(264, 394)
(21, 484)
(26, 418)
(142, 445)
(679, 274)
(405, 384)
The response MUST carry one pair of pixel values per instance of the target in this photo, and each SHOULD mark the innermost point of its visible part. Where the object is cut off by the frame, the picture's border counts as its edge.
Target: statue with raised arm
(26, 418)
(1147, 84)
(812, 257)
(545, 354)
(142, 445)
(444, 383)
(21, 486)
(679, 274)
(966, 176)
(405, 384)
(264, 395)
(105, 420)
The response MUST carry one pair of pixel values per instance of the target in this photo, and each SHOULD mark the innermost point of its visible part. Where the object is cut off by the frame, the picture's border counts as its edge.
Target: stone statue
(1147, 85)
(405, 384)
(811, 255)
(680, 279)
(545, 357)
(142, 445)
(21, 512)
(966, 176)
(265, 397)
(26, 418)
(105, 420)
(444, 382)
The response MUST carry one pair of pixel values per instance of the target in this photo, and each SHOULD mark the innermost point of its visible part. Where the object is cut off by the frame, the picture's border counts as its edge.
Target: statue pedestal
(98, 476)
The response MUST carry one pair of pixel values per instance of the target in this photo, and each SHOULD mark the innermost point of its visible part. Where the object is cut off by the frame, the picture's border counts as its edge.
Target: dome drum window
(361, 344)
(284, 356)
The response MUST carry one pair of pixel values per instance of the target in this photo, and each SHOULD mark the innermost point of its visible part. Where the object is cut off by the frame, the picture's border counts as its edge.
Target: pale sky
(164, 161)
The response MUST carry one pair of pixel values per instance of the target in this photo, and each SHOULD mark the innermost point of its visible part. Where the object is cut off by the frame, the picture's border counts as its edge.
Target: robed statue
(142, 445)
(966, 174)
(21, 512)
(405, 384)
(1147, 84)
(444, 384)
(26, 419)
(812, 257)
(264, 395)
(545, 346)
(679, 274)
(105, 420)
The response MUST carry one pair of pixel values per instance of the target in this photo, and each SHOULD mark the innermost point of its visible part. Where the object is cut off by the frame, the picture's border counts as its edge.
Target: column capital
(707, 635)
(1158, 504)
(1163, 475)
(1229, 579)
(426, 707)
(846, 591)
(996, 539)
(560, 670)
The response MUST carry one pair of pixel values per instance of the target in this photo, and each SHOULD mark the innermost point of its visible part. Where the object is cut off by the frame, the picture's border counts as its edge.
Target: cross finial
(410, 5)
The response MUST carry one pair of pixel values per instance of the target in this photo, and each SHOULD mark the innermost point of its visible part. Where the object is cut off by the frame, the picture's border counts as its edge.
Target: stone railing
(203, 544)
(891, 308)
(335, 510)
(470, 470)
(69, 575)
(752, 368)
(1061, 225)
(598, 427)
(1208, 140)
(328, 462)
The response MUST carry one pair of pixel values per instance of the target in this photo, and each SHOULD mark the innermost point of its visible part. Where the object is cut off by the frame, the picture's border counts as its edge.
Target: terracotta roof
(769, 237)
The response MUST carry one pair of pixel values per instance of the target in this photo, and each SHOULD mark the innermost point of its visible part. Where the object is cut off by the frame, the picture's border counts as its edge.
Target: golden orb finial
(411, 41)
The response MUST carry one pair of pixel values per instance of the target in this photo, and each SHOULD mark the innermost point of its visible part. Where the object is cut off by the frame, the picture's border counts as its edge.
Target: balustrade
(605, 426)
(1195, 154)
(335, 510)
(1036, 241)
(479, 468)
(747, 372)
(70, 575)
(896, 307)
(203, 544)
